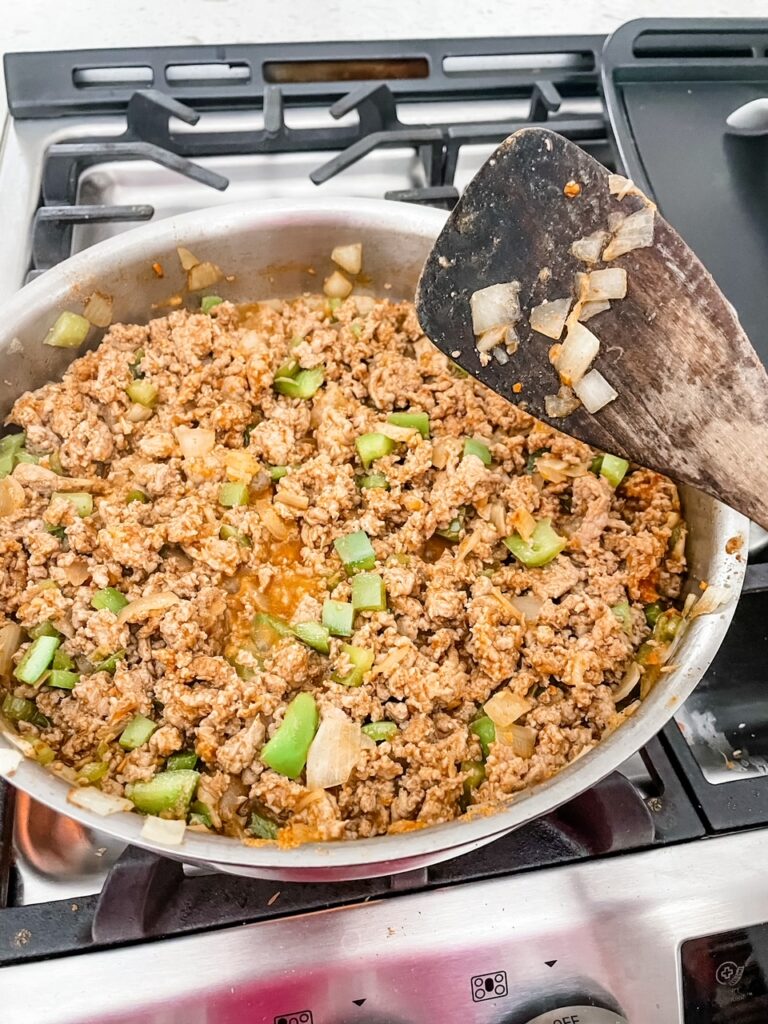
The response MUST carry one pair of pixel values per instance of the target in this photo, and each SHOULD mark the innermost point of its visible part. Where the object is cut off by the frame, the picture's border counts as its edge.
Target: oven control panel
(725, 977)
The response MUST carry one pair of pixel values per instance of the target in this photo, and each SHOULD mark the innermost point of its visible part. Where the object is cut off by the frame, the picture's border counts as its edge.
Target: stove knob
(579, 1015)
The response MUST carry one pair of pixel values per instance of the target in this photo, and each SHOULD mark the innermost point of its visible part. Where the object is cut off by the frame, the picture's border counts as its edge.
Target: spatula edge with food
(561, 287)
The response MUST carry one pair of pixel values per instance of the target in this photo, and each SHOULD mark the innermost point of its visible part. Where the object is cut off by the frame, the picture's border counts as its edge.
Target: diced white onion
(607, 284)
(628, 683)
(505, 707)
(10, 761)
(490, 339)
(143, 607)
(590, 309)
(552, 469)
(98, 309)
(203, 275)
(549, 317)
(349, 257)
(92, 799)
(337, 286)
(500, 355)
(186, 258)
(10, 640)
(523, 522)
(634, 232)
(714, 597)
(163, 830)
(334, 751)
(529, 605)
(589, 248)
(577, 352)
(12, 496)
(595, 391)
(620, 186)
(241, 465)
(195, 441)
(138, 413)
(364, 304)
(497, 304)
(562, 404)
(520, 738)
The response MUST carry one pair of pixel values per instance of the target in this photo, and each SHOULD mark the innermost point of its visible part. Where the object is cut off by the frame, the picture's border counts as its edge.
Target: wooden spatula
(692, 392)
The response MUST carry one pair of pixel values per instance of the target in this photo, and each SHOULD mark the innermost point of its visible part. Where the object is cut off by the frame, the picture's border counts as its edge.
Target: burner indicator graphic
(489, 986)
(301, 1017)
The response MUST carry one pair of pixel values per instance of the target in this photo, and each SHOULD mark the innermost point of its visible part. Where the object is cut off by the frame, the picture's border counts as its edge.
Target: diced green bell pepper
(69, 331)
(261, 827)
(167, 794)
(19, 709)
(231, 533)
(137, 732)
(136, 495)
(369, 593)
(474, 447)
(543, 546)
(314, 635)
(209, 302)
(232, 495)
(62, 660)
(355, 551)
(474, 776)
(184, 761)
(37, 659)
(110, 599)
(373, 481)
(109, 664)
(277, 473)
(43, 629)
(373, 446)
(338, 617)
(485, 731)
(143, 392)
(652, 613)
(62, 679)
(362, 662)
(81, 500)
(613, 469)
(624, 615)
(304, 385)
(380, 732)
(287, 751)
(415, 420)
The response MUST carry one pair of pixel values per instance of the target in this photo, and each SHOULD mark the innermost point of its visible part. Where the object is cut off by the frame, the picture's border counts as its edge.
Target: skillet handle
(756, 579)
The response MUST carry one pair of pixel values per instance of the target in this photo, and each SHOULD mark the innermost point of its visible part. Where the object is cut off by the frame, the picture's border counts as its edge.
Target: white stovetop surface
(51, 25)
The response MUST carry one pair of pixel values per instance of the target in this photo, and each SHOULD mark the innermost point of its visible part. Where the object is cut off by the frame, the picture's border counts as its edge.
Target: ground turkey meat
(209, 514)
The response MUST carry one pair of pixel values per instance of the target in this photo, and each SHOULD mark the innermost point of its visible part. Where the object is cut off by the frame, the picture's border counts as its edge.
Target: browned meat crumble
(464, 619)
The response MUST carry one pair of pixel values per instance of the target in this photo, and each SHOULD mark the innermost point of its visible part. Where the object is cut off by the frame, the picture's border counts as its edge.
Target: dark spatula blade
(693, 394)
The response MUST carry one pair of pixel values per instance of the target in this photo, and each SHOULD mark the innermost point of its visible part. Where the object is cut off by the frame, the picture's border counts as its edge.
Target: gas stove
(645, 899)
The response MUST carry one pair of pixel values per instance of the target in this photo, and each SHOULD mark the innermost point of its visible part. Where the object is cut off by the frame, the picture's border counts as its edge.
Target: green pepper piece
(338, 617)
(543, 546)
(287, 369)
(12, 444)
(277, 473)
(232, 495)
(613, 469)
(184, 761)
(19, 709)
(624, 615)
(474, 776)
(652, 613)
(474, 447)
(62, 679)
(314, 635)
(109, 598)
(37, 659)
(44, 754)
(201, 814)
(287, 751)
(415, 420)
(62, 660)
(58, 531)
(230, 533)
(261, 827)
(137, 732)
(94, 771)
(362, 662)
(7, 462)
(44, 629)
(23, 456)
(136, 495)
(369, 593)
(355, 551)
(143, 392)
(109, 664)
(373, 446)
(209, 302)
(373, 481)
(485, 731)
(69, 331)
(167, 794)
(667, 626)
(453, 531)
(81, 500)
(380, 732)
(273, 622)
(304, 385)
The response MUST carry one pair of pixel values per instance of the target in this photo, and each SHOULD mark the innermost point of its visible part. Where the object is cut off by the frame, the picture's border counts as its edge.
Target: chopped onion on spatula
(578, 350)
(497, 304)
(594, 391)
(634, 232)
(549, 317)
